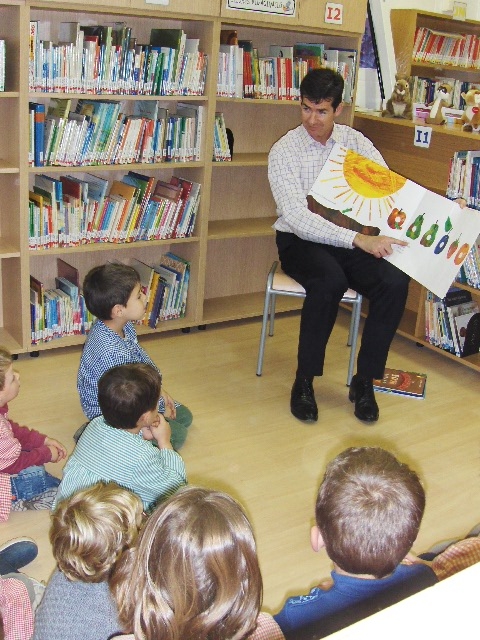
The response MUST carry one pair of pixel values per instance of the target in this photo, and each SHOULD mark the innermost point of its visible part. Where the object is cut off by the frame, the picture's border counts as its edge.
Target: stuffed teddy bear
(443, 98)
(471, 113)
(400, 104)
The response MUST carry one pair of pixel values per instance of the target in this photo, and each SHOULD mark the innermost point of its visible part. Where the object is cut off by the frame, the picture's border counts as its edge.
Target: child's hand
(170, 410)
(147, 434)
(160, 430)
(55, 453)
(61, 452)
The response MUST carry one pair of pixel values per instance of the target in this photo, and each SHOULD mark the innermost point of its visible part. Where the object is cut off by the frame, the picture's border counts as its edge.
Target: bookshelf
(404, 23)
(240, 239)
(233, 243)
(429, 167)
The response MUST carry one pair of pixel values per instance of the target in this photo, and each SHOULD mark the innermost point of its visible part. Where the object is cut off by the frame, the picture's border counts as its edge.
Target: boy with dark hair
(115, 445)
(113, 294)
(368, 513)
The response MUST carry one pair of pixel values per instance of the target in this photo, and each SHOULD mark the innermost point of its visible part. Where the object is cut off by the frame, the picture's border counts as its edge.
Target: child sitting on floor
(368, 513)
(89, 533)
(113, 294)
(24, 451)
(115, 445)
(193, 574)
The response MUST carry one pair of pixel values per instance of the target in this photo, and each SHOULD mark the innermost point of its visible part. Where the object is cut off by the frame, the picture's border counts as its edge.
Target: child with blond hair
(89, 533)
(194, 573)
(24, 451)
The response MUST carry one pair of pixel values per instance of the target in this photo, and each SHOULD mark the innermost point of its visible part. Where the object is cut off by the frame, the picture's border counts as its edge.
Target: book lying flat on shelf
(356, 193)
(403, 383)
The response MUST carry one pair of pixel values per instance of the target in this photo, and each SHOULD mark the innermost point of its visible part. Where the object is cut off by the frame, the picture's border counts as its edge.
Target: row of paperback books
(470, 270)
(221, 148)
(453, 323)
(165, 286)
(463, 179)
(2, 65)
(107, 59)
(80, 209)
(61, 311)
(424, 90)
(436, 47)
(243, 73)
(58, 312)
(99, 133)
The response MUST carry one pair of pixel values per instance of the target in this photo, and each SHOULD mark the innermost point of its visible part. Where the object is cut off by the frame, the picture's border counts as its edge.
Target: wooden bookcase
(233, 243)
(428, 167)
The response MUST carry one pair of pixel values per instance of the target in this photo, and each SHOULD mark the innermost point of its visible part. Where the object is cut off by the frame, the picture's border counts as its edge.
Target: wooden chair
(279, 284)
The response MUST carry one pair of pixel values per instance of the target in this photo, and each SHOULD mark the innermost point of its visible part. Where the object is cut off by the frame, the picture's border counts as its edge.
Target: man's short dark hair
(107, 285)
(322, 85)
(128, 391)
(369, 509)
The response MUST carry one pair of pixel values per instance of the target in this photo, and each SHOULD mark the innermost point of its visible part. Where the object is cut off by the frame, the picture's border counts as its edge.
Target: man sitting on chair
(327, 259)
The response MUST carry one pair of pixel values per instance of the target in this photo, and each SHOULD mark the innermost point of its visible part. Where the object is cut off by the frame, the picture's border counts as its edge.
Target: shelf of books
(119, 123)
(436, 49)
(260, 68)
(117, 118)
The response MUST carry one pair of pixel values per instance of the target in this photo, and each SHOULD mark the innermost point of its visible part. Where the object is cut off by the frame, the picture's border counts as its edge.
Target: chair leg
(352, 324)
(263, 333)
(353, 336)
(273, 302)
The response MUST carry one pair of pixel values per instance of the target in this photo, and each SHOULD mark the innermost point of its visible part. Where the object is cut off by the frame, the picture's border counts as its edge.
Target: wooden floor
(245, 441)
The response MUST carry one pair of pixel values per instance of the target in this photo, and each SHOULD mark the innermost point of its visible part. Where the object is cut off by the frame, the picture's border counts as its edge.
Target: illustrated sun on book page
(356, 193)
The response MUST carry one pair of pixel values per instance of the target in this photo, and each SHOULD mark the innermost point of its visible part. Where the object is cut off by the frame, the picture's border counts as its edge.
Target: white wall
(368, 93)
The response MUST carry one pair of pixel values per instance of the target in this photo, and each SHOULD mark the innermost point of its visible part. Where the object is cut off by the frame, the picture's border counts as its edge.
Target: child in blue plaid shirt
(113, 294)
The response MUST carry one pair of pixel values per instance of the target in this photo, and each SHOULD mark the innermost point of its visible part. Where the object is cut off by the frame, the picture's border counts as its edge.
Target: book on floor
(403, 383)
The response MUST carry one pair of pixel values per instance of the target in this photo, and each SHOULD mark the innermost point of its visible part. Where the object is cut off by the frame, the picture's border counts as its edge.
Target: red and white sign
(334, 13)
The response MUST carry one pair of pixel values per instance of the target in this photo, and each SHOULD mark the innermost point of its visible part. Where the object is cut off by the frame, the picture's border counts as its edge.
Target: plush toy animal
(400, 104)
(471, 113)
(443, 98)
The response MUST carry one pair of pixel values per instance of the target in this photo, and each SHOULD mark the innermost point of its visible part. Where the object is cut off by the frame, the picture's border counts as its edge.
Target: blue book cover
(38, 132)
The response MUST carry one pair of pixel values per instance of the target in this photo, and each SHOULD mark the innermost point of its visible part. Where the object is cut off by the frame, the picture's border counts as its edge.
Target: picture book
(356, 193)
(404, 383)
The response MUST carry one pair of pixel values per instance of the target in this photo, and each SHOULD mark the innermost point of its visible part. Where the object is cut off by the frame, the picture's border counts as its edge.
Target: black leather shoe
(361, 393)
(302, 401)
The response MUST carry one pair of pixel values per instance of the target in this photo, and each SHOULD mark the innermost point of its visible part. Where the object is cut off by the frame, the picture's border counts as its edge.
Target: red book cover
(186, 186)
(405, 383)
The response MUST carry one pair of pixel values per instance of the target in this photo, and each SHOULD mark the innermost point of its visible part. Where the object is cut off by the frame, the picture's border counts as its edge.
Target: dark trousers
(326, 272)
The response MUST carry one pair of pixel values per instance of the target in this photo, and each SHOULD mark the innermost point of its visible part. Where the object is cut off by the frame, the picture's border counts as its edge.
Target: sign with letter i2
(334, 13)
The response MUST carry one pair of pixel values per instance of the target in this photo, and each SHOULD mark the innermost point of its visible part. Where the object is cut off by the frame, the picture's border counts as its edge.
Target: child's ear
(316, 539)
(117, 311)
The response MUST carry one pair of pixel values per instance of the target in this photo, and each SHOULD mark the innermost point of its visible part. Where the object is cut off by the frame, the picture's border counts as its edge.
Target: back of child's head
(108, 285)
(5, 363)
(194, 572)
(91, 529)
(369, 509)
(128, 391)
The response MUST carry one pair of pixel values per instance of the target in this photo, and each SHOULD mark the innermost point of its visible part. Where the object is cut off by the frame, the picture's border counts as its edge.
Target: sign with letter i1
(423, 136)
(334, 13)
